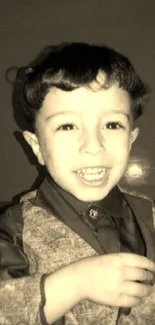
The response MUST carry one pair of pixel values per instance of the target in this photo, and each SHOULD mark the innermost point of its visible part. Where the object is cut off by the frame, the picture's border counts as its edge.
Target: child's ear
(134, 135)
(32, 140)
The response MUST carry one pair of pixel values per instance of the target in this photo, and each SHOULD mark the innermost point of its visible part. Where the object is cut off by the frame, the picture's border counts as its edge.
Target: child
(79, 250)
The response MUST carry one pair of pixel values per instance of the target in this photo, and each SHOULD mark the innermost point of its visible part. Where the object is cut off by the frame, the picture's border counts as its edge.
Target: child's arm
(20, 298)
(63, 290)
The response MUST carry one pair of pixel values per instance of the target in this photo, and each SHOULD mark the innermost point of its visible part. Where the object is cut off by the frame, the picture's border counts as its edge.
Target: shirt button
(93, 213)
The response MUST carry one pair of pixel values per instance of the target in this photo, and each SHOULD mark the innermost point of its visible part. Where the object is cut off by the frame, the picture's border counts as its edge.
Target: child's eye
(66, 127)
(114, 125)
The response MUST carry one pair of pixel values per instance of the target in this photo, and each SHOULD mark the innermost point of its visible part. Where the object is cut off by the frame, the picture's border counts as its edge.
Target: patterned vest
(49, 244)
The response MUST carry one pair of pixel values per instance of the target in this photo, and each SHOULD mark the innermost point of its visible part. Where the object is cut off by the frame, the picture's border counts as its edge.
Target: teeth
(91, 170)
(92, 177)
(92, 174)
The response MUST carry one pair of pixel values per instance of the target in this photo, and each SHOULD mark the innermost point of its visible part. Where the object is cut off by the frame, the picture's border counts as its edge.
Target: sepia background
(26, 27)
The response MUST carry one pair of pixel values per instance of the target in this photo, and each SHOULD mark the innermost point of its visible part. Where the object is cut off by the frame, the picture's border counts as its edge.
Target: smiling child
(79, 249)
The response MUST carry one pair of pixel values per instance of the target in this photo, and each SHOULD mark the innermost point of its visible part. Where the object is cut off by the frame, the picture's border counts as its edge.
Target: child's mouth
(92, 175)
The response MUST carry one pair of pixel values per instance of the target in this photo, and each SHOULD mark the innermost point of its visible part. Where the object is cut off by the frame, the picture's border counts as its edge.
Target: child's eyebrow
(118, 112)
(59, 113)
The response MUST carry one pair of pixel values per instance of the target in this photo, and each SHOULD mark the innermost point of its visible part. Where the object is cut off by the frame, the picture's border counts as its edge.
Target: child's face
(82, 129)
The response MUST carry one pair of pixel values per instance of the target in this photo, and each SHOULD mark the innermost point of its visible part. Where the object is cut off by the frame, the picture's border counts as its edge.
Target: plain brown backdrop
(27, 26)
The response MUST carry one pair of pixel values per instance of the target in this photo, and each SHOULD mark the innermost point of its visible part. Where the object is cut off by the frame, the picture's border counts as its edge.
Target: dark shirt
(111, 221)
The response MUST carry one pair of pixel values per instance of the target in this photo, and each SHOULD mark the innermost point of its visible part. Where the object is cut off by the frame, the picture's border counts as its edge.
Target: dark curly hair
(68, 66)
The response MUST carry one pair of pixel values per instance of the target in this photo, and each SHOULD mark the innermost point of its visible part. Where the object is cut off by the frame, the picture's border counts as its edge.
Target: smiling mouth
(92, 174)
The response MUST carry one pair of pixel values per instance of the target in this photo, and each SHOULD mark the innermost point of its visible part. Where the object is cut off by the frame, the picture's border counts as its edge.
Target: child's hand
(110, 279)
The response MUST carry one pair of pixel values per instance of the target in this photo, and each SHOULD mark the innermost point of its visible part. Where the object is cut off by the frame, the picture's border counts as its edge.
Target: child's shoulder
(140, 195)
(136, 194)
(28, 196)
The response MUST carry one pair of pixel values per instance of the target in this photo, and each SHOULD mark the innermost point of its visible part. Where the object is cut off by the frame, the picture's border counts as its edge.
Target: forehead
(83, 100)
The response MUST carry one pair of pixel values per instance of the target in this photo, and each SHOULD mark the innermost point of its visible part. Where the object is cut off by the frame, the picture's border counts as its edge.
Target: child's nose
(92, 144)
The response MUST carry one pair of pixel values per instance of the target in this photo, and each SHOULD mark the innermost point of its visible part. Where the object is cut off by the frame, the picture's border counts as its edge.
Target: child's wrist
(81, 276)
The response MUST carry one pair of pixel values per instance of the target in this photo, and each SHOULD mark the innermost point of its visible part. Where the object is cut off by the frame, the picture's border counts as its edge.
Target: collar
(112, 204)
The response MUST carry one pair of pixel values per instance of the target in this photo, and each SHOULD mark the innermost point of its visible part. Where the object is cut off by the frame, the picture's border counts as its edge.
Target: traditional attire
(49, 229)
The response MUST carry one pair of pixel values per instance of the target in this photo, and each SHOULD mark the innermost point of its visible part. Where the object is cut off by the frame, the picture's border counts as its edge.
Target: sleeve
(22, 297)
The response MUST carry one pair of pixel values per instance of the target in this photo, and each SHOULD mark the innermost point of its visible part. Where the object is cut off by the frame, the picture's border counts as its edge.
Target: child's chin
(91, 195)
